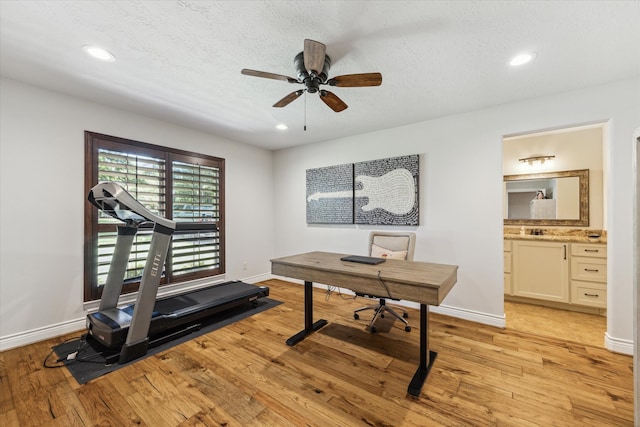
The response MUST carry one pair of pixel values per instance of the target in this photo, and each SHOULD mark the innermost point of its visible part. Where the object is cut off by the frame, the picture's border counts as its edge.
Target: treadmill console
(115, 201)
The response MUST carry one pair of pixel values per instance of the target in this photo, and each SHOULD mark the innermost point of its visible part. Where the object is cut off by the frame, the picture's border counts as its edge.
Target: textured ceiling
(180, 61)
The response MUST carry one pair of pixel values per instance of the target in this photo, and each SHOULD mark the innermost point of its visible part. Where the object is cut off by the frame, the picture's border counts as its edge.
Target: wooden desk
(422, 282)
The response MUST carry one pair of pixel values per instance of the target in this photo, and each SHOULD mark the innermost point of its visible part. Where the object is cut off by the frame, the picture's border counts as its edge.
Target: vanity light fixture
(532, 159)
(99, 53)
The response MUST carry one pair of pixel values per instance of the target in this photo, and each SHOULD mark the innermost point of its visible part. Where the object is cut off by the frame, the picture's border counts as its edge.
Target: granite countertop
(557, 235)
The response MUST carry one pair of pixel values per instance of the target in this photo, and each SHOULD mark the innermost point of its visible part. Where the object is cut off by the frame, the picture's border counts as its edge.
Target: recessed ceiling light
(99, 53)
(522, 58)
(282, 126)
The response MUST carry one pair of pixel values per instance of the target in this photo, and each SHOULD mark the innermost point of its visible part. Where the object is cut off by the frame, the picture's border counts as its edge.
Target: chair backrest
(400, 245)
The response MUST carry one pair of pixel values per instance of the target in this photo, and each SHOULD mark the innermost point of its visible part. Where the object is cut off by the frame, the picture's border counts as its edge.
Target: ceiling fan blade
(288, 99)
(266, 75)
(314, 53)
(335, 103)
(356, 80)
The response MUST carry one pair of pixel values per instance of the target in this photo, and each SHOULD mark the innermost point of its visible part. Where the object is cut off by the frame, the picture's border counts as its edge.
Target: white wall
(461, 194)
(42, 200)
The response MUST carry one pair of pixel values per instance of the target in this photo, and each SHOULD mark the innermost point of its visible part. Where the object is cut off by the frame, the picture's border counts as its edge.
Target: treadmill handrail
(114, 200)
(184, 226)
(196, 226)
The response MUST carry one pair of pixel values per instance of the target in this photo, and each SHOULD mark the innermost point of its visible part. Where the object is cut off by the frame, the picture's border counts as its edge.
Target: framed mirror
(550, 198)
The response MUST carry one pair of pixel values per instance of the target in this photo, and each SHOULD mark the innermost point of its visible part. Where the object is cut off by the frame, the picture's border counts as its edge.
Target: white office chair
(392, 246)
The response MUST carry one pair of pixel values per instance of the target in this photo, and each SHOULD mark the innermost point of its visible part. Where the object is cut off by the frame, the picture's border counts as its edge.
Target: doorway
(542, 309)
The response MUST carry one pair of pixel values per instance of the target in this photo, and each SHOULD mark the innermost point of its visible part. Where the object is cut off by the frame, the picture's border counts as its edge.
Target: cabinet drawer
(507, 245)
(589, 249)
(590, 294)
(507, 284)
(507, 262)
(590, 269)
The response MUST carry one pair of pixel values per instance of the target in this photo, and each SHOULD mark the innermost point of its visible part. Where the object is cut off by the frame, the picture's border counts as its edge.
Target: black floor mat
(90, 361)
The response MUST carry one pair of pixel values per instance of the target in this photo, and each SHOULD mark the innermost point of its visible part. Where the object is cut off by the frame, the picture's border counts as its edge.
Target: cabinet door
(540, 270)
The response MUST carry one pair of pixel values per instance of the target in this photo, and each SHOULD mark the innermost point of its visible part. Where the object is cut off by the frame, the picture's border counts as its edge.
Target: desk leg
(426, 357)
(309, 326)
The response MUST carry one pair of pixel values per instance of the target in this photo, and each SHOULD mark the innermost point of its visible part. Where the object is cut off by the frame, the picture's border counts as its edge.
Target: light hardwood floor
(245, 375)
(555, 323)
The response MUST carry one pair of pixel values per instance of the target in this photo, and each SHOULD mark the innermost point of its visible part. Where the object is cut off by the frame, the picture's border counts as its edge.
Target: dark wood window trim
(95, 142)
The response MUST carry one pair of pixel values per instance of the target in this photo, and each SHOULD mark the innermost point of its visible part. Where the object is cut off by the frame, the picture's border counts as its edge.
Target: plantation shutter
(144, 178)
(195, 198)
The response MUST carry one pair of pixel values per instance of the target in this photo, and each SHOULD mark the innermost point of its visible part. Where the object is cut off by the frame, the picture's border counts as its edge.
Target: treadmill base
(173, 317)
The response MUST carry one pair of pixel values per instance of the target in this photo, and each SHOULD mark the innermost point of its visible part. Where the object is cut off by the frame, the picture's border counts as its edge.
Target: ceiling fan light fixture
(522, 58)
(312, 70)
(282, 126)
(99, 53)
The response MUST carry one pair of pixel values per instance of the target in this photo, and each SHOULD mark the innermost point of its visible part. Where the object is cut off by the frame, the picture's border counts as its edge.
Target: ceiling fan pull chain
(305, 111)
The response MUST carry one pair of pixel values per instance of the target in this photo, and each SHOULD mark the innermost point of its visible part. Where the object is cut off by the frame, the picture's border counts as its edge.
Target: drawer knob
(591, 250)
(591, 295)
(591, 270)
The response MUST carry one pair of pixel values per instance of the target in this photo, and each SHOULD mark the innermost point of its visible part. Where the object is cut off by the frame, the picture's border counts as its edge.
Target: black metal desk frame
(427, 357)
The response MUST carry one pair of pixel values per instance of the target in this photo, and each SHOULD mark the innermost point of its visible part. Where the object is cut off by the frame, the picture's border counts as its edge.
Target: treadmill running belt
(211, 296)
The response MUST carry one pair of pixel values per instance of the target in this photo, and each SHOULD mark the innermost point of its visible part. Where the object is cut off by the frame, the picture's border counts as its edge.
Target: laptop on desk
(362, 259)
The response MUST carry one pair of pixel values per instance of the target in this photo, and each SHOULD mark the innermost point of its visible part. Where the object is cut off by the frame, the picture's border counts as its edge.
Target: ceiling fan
(312, 67)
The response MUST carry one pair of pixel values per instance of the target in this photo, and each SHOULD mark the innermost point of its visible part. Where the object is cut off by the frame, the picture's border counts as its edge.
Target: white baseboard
(258, 278)
(618, 345)
(460, 313)
(473, 316)
(40, 334)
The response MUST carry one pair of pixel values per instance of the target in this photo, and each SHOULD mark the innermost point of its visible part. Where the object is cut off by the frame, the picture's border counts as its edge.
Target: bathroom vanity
(561, 268)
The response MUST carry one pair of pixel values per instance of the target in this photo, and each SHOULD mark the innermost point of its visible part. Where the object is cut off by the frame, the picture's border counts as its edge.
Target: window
(172, 183)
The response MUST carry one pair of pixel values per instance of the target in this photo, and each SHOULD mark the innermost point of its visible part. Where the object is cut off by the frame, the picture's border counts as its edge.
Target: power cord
(331, 289)
(75, 356)
(384, 285)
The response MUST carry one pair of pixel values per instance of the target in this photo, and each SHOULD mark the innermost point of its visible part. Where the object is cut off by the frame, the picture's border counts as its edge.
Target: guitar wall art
(377, 192)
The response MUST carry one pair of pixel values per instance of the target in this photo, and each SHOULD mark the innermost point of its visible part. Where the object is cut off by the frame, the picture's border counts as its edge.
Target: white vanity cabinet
(589, 274)
(540, 270)
(558, 274)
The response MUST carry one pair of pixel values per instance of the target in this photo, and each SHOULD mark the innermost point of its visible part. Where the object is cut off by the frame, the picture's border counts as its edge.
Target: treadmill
(149, 322)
